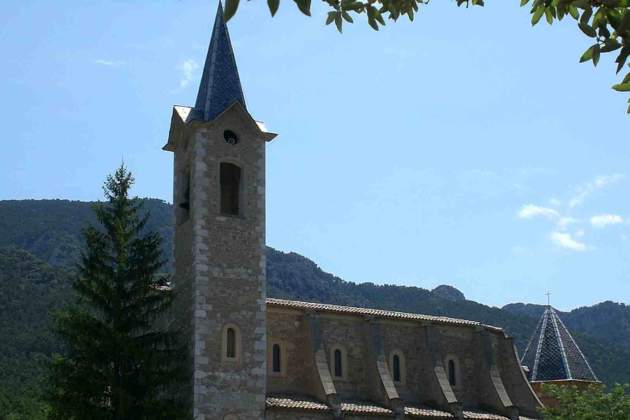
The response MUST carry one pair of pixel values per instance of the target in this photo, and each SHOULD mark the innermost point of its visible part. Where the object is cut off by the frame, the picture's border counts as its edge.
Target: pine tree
(121, 359)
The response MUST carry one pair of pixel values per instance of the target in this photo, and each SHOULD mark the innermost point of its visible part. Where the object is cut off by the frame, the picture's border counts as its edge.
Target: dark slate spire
(220, 85)
(552, 354)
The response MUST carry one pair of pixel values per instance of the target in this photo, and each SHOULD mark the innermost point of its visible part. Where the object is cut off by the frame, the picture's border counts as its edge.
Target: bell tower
(220, 275)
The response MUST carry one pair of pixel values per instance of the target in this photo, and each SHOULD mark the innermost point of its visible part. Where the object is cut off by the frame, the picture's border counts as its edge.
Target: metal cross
(548, 299)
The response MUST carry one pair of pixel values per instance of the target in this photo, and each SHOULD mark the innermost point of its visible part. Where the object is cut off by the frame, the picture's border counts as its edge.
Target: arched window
(397, 366)
(276, 358)
(231, 343)
(230, 179)
(230, 351)
(452, 372)
(339, 363)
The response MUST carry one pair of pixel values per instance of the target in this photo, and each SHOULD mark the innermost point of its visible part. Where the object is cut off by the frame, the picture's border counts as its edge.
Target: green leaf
(596, 52)
(347, 17)
(338, 21)
(330, 18)
(304, 6)
(624, 25)
(611, 44)
(588, 55)
(549, 15)
(273, 6)
(356, 6)
(587, 30)
(379, 17)
(622, 57)
(600, 18)
(575, 14)
(614, 18)
(230, 9)
(622, 87)
(537, 15)
(373, 23)
(524, 2)
(371, 11)
(586, 15)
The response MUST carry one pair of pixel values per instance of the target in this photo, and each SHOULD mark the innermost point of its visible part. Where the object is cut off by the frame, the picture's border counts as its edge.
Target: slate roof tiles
(220, 84)
(552, 353)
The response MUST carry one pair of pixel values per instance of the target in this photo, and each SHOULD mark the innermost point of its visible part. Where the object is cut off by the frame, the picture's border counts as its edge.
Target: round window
(230, 137)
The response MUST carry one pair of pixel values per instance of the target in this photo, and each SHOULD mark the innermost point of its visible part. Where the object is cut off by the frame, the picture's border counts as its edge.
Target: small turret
(553, 357)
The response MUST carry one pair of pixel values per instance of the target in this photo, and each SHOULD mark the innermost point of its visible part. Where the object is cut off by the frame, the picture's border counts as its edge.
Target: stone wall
(488, 375)
(290, 331)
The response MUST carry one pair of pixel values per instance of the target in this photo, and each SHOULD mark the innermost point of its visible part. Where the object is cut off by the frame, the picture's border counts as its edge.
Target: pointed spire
(552, 353)
(220, 85)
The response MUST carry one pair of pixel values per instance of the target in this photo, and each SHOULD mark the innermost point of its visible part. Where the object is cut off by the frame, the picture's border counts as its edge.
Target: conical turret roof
(552, 353)
(220, 84)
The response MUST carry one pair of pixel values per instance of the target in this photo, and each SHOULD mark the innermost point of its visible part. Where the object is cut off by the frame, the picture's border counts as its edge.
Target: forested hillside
(30, 290)
(40, 242)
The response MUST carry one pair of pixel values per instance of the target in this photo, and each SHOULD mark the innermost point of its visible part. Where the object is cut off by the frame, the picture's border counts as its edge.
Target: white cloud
(530, 211)
(565, 240)
(555, 202)
(603, 220)
(568, 231)
(188, 69)
(583, 191)
(108, 63)
(565, 222)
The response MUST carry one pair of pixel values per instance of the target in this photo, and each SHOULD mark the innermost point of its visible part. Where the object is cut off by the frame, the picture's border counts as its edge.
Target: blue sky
(464, 148)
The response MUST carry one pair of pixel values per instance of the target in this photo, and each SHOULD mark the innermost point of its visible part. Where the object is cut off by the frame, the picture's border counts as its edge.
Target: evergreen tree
(121, 359)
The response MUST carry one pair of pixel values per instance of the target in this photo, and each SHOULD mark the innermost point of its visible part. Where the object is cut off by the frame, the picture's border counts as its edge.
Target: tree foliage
(591, 403)
(120, 359)
(605, 22)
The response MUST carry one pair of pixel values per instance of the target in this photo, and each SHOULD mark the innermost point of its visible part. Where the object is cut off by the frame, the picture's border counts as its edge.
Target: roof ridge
(567, 367)
(543, 327)
(376, 311)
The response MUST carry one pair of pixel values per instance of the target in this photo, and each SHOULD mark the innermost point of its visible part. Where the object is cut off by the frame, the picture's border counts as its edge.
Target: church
(251, 357)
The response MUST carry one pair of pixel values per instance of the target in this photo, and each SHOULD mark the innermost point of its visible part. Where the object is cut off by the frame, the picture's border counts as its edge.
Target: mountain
(449, 293)
(40, 240)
